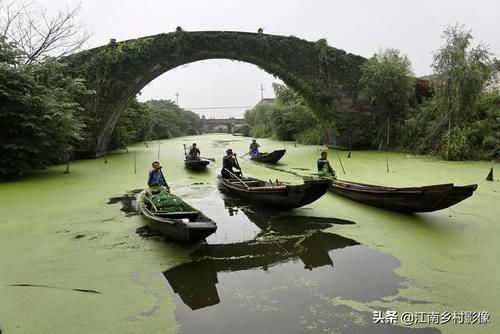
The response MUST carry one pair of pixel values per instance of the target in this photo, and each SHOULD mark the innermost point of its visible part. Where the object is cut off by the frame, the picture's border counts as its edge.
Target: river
(72, 262)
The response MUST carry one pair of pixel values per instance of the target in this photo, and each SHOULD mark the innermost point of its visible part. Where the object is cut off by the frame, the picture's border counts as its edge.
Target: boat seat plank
(267, 188)
(177, 215)
(247, 182)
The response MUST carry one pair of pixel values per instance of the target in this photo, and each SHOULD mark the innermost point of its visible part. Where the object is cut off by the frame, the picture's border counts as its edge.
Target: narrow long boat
(196, 164)
(270, 158)
(410, 199)
(185, 224)
(276, 194)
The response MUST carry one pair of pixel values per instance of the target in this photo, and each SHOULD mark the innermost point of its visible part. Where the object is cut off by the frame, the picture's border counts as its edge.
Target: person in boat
(228, 163)
(324, 167)
(194, 153)
(254, 148)
(156, 180)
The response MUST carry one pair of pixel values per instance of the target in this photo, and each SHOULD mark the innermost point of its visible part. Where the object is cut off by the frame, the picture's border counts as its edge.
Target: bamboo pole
(387, 161)
(158, 150)
(338, 155)
(135, 162)
(387, 148)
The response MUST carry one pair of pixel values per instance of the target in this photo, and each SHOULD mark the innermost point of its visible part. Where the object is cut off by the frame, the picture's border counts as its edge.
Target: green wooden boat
(179, 221)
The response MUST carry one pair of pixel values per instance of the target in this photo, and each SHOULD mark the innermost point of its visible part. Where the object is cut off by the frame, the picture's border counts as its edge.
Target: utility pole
(177, 98)
(261, 92)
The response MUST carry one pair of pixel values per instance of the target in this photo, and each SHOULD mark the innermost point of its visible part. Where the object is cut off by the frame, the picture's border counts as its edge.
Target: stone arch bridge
(328, 78)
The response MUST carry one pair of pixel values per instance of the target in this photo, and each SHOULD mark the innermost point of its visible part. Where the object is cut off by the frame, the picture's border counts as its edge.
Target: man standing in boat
(156, 179)
(228, 163)
(254, 148)
(324, 168)
(194, 152)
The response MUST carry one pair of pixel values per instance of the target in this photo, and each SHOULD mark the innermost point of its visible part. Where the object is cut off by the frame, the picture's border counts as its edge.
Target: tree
(387, 77)
(287, 96)
(461, 120)
(171, 121)
(36, 34)
(38, 113)
(285, 119)
(288, 121)
(461, 72)
(134, 125)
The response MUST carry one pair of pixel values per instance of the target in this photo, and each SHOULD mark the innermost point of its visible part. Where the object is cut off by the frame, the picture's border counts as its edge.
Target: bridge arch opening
(326, 77)
(219, 90)
(232, 69)
(214, 88)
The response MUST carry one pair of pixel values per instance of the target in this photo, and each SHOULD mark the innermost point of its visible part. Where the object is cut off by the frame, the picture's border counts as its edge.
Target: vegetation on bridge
(327, 78)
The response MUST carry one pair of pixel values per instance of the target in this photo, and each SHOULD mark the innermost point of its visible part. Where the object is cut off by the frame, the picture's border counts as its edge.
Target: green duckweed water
(72, 263)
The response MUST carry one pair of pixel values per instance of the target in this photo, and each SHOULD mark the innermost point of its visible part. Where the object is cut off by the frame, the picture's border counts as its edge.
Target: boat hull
(288, 197)
(191, 226)
(196, 165)
(407, 200)
(270, 158)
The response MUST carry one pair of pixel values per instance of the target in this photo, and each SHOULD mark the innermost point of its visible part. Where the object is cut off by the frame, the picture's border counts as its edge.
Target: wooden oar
(237, 178)
(165, 180)
(211, 159)
(237, 162)
(245, 154)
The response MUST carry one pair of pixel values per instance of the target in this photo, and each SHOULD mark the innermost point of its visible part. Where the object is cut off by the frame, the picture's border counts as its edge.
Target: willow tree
(460, 74)
(388, 80)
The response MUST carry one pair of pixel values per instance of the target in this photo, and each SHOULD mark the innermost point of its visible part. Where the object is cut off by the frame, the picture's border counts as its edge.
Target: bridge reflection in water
(195, 282)
(284, 280)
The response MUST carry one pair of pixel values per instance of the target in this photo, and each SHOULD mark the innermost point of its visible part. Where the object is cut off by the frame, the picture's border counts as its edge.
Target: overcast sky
(357, 26)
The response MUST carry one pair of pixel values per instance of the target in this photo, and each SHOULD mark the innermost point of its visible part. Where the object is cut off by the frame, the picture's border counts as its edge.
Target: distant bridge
(225, 124)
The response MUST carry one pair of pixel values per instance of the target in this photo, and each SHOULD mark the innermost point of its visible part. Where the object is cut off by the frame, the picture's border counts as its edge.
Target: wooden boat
(188, 225)
(276, 194)
(196, 164)
(270, 158)
(412, 199)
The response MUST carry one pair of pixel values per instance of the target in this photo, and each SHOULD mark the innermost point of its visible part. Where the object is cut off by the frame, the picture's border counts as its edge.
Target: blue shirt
(156, 178)
(254, 149)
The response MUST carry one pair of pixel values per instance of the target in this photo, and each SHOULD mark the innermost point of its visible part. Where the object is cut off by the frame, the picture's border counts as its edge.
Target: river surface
(75, 258)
